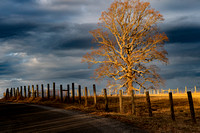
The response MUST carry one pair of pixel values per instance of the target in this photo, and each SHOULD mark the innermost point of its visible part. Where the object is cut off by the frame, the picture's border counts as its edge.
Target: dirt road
(35, 118)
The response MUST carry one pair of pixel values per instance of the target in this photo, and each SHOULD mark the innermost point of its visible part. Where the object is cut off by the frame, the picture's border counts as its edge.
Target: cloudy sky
(42, 41)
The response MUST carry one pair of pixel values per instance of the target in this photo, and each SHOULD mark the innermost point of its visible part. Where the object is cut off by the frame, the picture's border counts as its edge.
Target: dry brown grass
(160, 122)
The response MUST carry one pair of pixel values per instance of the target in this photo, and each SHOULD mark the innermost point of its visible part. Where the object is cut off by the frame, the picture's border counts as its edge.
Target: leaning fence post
(73, 93)
(61, 93)
(106, 100)
(120, 101)
(148, 103)
(95, 95)
(133, 110)
(25, 91)
(48, 91)
(42, 89)
(171, 106)
(191, 106)
(54, 90)
(86, 97)
(79, 94)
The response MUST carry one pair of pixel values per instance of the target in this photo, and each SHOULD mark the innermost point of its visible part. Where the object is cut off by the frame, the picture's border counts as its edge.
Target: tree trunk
(130, 86)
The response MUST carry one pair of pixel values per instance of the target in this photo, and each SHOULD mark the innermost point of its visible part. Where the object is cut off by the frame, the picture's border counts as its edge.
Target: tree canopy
(129, 44)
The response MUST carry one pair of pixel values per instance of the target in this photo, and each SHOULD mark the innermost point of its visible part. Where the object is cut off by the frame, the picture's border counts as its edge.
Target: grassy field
(160, 122)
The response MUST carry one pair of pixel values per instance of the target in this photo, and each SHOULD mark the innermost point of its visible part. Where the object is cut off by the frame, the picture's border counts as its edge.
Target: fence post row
(68, 93)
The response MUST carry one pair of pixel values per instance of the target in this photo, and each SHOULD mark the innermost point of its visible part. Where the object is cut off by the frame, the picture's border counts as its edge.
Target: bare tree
(129, 44)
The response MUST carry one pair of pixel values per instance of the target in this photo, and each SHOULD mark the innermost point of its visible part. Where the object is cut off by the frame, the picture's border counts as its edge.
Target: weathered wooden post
(54, 90)
(148, 103)
(33, 91)
(120, 101)
(177, 91)
(29, 92)
(73, 93)
(7, 93)
(42, 89)
(195, 89)
(89, 92)
(68, 93)
(25, 91)
(191, 106)
(95, 95)
(37, 90)
(79, 94)
(61, 93)
(11, 92)
(106, 100)
(185, 89)
(171, 106)
(21, 91)
(86, 97)
(133, 109)
(48, 91)
(18, 91)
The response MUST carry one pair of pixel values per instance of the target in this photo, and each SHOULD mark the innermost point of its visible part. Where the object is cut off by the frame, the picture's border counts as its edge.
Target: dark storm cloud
(6, 68)
(14, 30)
(182, 34)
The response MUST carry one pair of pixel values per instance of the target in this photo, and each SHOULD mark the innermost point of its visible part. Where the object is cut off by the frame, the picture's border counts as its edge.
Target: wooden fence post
(133, 110)
(120, 101)
(25, 91)
(191, 106)
(171, 106)
(42, 89)
(14, 92)
(37, 90)
(68, 93)
(148, 103)
(79, 94)
(95, 95)
(86, 97)
(177, 91)
(106, 100)
(7, 93)
(48, 91)
(18, 92)
(54, 90)
(32, 90)
(73, 93)
(195, 89)
(11, 92)
(21, 91)
(61, 93)
(29, 92)
(89, 92)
